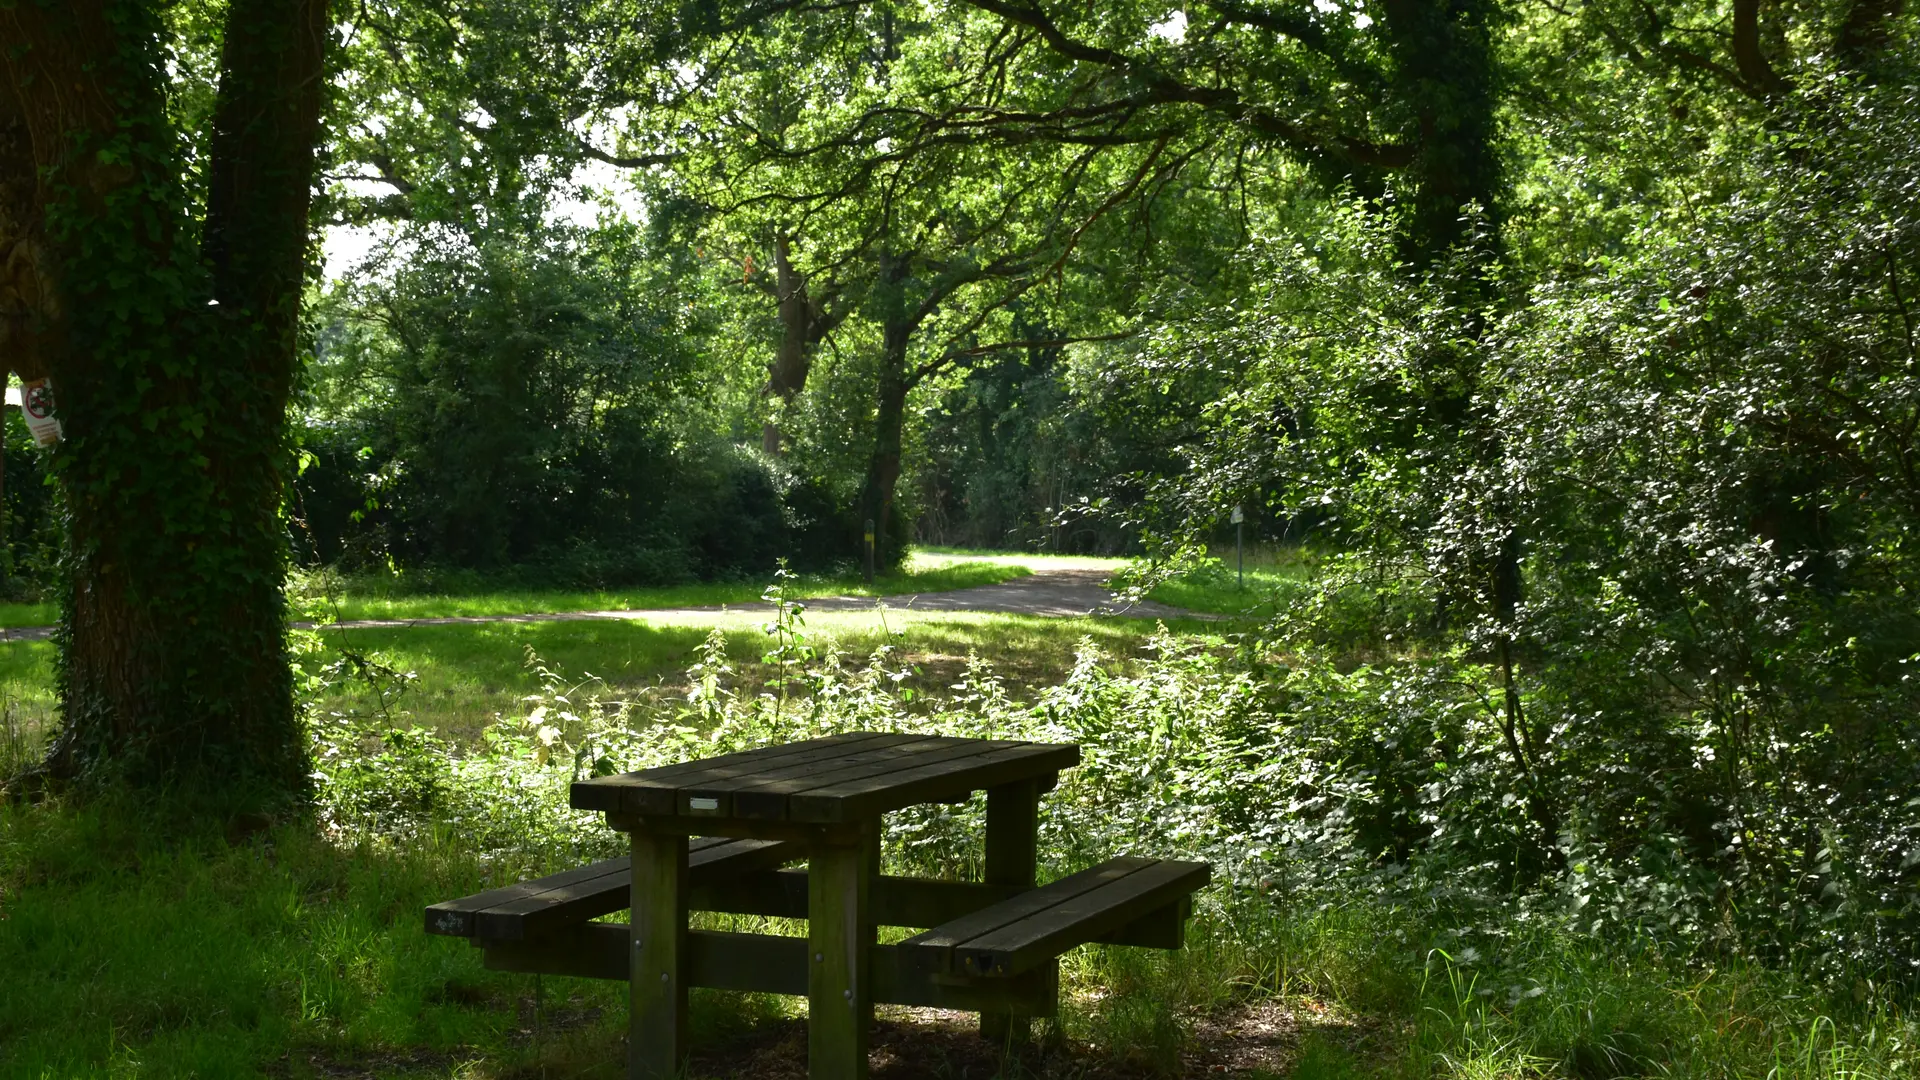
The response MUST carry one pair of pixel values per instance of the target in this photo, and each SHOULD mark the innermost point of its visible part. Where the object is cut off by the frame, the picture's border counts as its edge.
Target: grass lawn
(1273, 578)
(469, 674)
(28, 614)
(379, 598)
(465, 675)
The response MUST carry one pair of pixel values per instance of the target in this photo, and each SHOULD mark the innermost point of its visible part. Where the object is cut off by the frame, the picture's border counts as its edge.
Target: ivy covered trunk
(168, 326)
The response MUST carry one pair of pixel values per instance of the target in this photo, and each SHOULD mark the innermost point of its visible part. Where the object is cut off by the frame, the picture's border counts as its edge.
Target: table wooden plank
(662, 796)
(916, 903)
(603, 792)
(770, 802)
(721, 793)
(857, 754)
(905, 745)
(614, 793)
(457, 917)
(1028, 903)
(1015, 947)
(869, 797)
(710, 859)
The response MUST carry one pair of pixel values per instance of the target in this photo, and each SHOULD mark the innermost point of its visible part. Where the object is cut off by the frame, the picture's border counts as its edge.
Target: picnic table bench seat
(542, 906)
(1024, 931)
(984, 930)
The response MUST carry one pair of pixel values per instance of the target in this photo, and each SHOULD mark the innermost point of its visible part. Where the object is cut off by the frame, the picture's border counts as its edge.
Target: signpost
(869, 551)
(1239, 520)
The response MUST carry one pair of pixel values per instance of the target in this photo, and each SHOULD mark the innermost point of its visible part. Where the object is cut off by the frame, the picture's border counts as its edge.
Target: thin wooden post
(1012, 857)
(657, 1027)
(840, 936)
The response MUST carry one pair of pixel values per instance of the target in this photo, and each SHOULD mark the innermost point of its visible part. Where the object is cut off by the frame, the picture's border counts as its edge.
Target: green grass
(368, 596)
(326, 597)
(24, 614)
(138, 946)
(378, 598)
(1273, 578)
(133, 954)
(26, 701)
(466, 674)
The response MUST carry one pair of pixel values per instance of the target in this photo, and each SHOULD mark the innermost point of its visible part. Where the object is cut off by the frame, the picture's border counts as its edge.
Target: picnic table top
(836, 779)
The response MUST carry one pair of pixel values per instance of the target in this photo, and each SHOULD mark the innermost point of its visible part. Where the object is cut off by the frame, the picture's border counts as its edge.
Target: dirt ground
(1254, 1041)
(1257, 1040)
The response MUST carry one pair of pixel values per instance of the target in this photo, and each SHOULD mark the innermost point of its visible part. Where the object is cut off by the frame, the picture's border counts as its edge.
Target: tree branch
(627, 161)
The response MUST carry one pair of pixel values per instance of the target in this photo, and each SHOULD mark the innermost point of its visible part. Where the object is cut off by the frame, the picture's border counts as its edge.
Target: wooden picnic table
(828, 795)
(711, 835)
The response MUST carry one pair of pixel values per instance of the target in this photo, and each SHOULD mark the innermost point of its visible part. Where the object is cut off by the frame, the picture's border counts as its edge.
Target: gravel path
(1051, 593)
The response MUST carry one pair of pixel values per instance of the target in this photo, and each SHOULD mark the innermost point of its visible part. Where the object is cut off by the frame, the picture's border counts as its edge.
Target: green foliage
(1623, 547)
(30, 544)
(491, 404)
(1002, 456)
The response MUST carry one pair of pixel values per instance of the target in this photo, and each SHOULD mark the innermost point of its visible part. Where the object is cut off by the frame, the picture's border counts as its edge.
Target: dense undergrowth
(1355, 815)
(1358, 820)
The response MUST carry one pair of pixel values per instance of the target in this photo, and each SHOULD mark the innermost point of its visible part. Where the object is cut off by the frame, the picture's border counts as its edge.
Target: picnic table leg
(1013, 820)
(839, 940)
(657, 1026)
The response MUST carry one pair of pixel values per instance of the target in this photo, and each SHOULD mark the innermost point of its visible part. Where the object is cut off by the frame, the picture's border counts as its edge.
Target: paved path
(1051, 593)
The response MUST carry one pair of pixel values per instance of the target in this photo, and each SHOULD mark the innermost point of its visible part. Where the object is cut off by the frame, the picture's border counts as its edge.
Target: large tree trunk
(1447, 72)
(172, 362)
(883, 467)
(890, 417)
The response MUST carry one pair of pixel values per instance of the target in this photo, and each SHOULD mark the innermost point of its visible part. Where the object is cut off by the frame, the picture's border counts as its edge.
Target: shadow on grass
(136, 944)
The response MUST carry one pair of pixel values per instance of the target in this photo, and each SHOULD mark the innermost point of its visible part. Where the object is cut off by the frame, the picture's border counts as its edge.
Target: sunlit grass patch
(465, 675)
(371, 596)
(28, 614)
(27, 702)
(1270, 580)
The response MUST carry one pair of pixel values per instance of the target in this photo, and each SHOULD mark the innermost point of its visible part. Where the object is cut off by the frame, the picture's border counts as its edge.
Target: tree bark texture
(806, 319)
(172, 354)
